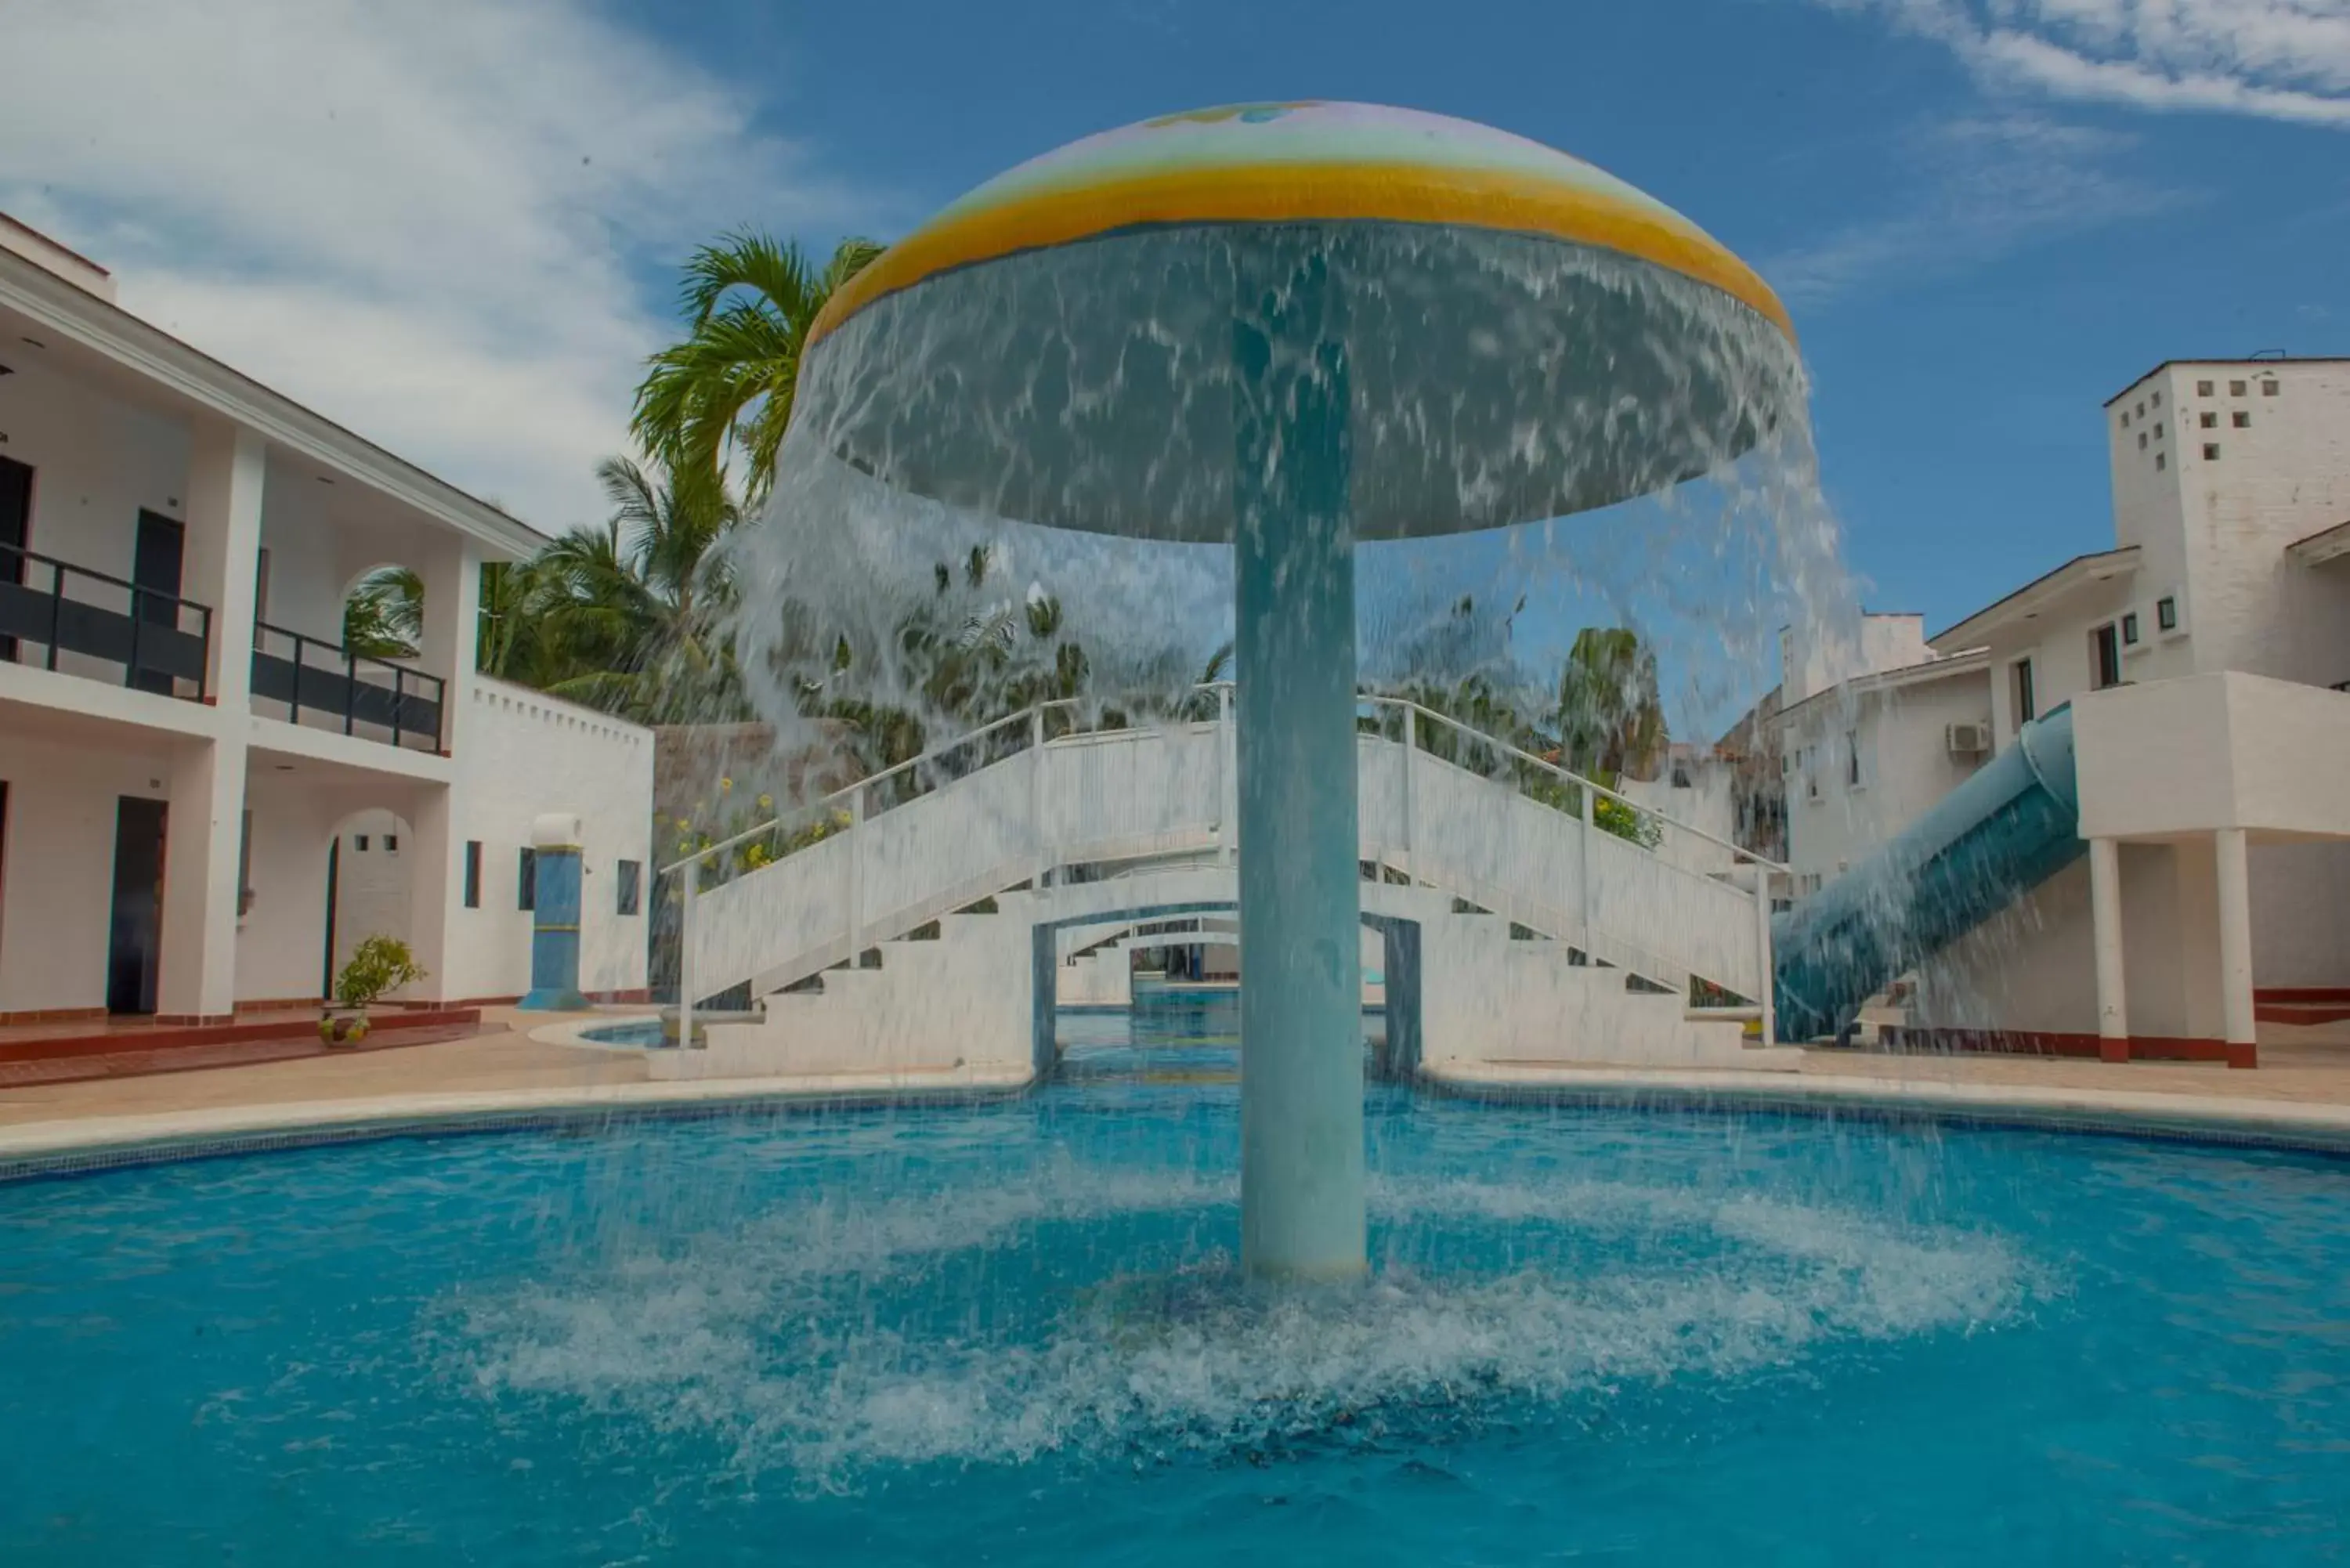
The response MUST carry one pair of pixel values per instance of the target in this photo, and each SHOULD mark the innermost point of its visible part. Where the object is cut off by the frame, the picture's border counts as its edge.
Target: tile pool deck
(2301, 1087)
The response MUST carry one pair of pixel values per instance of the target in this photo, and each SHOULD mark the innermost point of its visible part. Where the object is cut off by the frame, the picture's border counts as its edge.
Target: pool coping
(68, 1147)
(33, 1149)
(2310, 1126)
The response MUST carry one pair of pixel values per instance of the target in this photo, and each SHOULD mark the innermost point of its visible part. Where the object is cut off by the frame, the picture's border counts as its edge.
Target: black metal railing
(62, 608)
(326, 680)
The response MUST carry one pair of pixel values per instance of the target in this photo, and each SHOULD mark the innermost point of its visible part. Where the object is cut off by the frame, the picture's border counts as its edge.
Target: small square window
(2124, 419)
(2268, 389)
(2203, 389)
(392, 844)
(360, 842)
(2161, 461)
(2242, 418)
(2129, 630)
(2166, 614)
(2141, 408)
(2210, 421)
(2156, 399)
(2158, 429)
(2235, 388)
(2141, 440)
(2211, 451)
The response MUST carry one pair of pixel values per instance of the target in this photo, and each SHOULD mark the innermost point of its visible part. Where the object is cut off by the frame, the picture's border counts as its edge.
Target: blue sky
(453, 223)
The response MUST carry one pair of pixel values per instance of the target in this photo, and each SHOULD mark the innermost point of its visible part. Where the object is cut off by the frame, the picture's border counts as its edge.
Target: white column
(856, 874)
(203, 832)
(1037, 831)
(2106, 924)
(1583, 863)
(451, 570)
(688, 967)
(1410, 817)
(1227, 783)
(2235, 936)
(1769, 1030)
(451, 567)
(228, 470)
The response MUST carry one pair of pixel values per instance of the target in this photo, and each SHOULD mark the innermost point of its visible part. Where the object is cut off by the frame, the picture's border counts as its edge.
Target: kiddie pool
(1010, 1333)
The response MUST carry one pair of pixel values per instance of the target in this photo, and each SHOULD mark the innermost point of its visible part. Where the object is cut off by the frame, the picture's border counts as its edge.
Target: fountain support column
(1302, 1214)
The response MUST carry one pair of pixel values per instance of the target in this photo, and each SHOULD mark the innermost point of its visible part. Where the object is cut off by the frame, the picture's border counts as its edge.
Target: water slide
(2010, 827)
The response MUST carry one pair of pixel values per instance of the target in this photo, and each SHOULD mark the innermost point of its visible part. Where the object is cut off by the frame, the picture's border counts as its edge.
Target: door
(16, 530)
(155, 564)
(134, 951)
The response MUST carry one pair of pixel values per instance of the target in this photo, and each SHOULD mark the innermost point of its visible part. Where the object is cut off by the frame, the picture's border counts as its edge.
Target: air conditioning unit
(1967, 739)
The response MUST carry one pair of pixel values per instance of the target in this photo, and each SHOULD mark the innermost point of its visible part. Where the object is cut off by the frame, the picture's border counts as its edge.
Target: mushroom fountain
(1291, 329)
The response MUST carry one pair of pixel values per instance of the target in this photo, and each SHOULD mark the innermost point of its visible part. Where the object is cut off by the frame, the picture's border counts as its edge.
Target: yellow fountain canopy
(1302, 162)
(1521, 336)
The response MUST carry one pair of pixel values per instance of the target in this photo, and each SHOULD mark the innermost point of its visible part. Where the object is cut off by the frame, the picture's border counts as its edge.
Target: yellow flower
(685, 846)
(682, 825)
(725, 785)
(766, 802)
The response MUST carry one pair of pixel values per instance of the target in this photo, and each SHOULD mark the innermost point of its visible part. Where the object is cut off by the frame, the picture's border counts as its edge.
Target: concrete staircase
(871, 954)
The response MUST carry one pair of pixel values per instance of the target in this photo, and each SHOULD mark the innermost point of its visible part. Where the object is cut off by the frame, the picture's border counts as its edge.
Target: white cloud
(2277, 60)
(422, 219)
(1973, 191)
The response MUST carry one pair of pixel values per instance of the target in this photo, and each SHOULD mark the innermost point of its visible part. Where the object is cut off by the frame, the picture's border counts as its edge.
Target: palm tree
(1610, 719)
(627, 609)
(726, 389)
(384, 616)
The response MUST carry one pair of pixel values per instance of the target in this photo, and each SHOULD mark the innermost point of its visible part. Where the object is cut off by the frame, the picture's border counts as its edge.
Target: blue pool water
(1009, 1335)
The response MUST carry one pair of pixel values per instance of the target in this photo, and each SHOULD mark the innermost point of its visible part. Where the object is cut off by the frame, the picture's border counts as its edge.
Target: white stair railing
(870, 862)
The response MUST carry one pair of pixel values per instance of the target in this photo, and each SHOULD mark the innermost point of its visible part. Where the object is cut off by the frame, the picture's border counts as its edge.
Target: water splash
(1023, 412)
(826, 1342)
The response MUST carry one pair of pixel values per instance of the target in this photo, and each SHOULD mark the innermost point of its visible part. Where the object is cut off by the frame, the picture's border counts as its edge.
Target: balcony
(68, 618)
(323, 685)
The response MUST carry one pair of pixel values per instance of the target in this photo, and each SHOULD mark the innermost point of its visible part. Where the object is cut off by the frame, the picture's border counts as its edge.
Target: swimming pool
(1009, 1334)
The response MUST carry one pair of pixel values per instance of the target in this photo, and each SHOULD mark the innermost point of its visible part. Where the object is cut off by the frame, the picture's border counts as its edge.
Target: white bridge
(1527, 914)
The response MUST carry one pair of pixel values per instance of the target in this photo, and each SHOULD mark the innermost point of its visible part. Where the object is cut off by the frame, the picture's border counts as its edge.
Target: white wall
(1813, 659)
(524, 754)
(97, 461)
(57, 868)
(1906, 767)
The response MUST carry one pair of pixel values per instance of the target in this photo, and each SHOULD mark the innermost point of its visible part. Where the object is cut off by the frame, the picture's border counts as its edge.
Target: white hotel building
(2206, 656)
(204, 801)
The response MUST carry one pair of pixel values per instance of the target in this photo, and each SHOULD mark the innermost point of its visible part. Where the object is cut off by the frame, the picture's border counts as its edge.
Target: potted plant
(379, 964)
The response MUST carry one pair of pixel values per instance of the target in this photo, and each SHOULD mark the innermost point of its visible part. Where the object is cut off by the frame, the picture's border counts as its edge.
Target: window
(2211, 451)
(473, 873)
(2166, 614)
(2106, 655)
(2157, 402)
(360, 842)
(527, 881)
(2203, 389)
(392, 844)
(2129, 630)
(2141, 440)
(2158, 429)
(2268, 389)
(245, 865)
(631, 880)
(2026, 709)
(261, 584)
(2235, 388)
(2241, 419)
(1852, 759)
(2124, 419)
(2210, 421)
(2141, 408)
(2161, 461)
